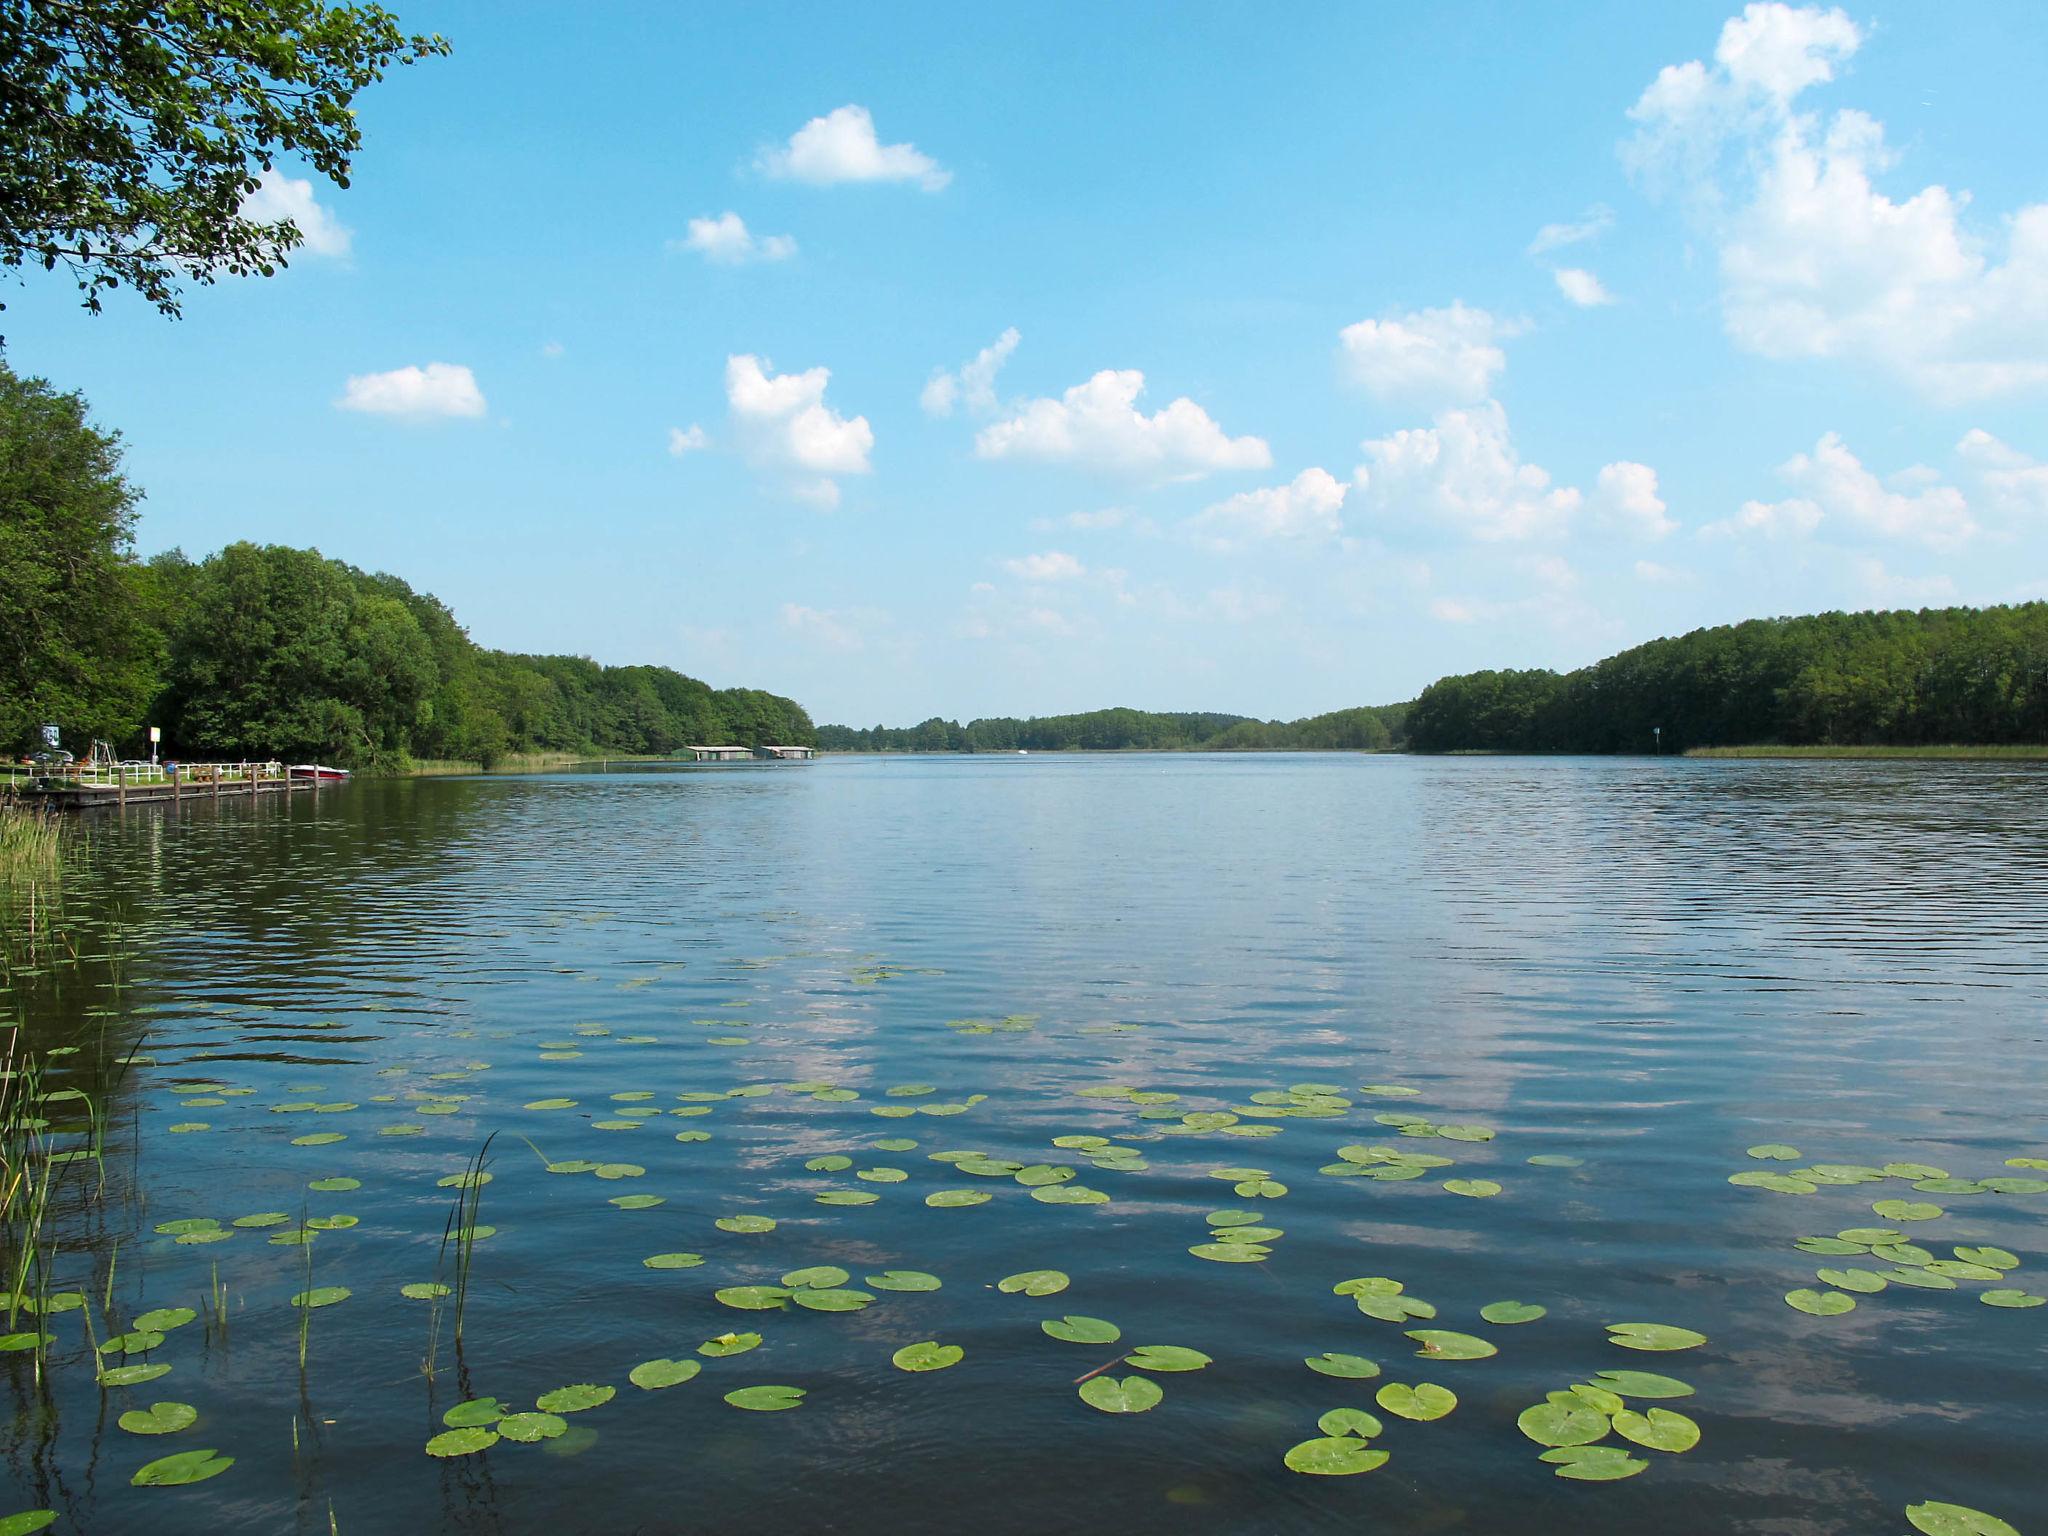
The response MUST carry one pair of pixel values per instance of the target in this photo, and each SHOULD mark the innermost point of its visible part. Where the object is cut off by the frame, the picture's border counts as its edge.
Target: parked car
(52, 757)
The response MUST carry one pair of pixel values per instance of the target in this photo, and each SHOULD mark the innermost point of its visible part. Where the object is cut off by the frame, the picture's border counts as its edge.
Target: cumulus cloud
(1053, 565)
(1773, 520)
(841, 146)
(1882, 586)
(438, 389)
(1598, 220)
(974, 385)
(835, 629)
(1816, 260)
(278, 197)
(1465, 473)
(1098, 425)
(686, 440)
(784, 424)
(1581, 287)
(728, 242)
(1833, 484)
(1626, 495)
(1308, 508)
(2016, 483)
(1447, 356)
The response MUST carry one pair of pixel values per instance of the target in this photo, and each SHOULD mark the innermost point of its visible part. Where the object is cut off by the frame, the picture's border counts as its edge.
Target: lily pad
(946, 1199)
(1660, 1429)
(27, 1522)
(461, 1442)
(574, 1399)
(1443, 1344)
(765, 1399)
(927, 1356)
(1346, 1367)
(1476, 1189)
(1034, 1282)
(1167, 1357)
(160, 1319)
(1938, 1519)
(1642, 1384)
(729, 1344)
(185, 1467)
(903, 1280)
(1820, 1303)
(2010, 1298)
(476, 1413)
(831, 1299)
(1594, 1463)
(322, 1296)
(1507, 1312)
(1075, 1329)
(745, 1223)
(1423, 1402)
(1653, 1336)
(673, 1260)
(530, 1428)
(159, 1419)
(818, 1276)
(1556, 1424)
(1907, 1210)
(653, 1375)
(754, 1298)
(1349, 1421)
(1334, 1456)
(1133, 1394)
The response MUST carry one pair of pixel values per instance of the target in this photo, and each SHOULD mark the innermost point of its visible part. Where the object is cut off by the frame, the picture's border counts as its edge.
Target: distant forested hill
(1110, 730)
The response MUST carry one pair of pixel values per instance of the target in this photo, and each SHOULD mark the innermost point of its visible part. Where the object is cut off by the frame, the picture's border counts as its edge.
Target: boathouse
(721, 754)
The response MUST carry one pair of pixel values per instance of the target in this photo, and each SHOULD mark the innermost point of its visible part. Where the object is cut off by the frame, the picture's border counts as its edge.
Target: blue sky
(1190, 356)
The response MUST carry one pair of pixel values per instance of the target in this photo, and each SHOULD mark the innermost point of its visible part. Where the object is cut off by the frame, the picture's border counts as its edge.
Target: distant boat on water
(318, 771)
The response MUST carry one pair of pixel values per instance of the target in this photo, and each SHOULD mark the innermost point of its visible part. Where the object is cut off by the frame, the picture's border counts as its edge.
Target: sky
(1019, 359)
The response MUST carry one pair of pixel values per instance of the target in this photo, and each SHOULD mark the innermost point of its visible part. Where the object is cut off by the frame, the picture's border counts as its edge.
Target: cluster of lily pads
(1572, 1422)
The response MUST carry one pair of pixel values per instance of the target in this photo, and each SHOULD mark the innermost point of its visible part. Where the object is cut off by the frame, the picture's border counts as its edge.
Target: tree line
(1365, 728)
(263, 651)
(1976, 676)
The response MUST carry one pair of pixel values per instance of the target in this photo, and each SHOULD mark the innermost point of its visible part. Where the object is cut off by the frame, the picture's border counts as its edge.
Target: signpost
(1657, 732)
(156, 734)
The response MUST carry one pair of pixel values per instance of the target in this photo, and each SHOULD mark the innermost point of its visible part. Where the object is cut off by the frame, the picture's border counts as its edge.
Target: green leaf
(728, 1344)
(159, 1419)
(1075, 1329)
(527, 1428)
(1556, 1424)
(574, 1399)
(903, 1280)
(1231, 1253)
(476, 1413)
(1820, 1303)
(1348, 1367)
(1907, 1210)
(185, 1467)
(27, 1522)
(831, 1300)
(653, 1375)
(1506, 1312)
(1167, 1357)
(1335, 1456)
(2010, 1298)
(1990, 1258)
(1641, 1384)
(1653, 1336)
(1134, 1394)
(765, 1399)
(745, 1223)
(1937, 1519)
(1033, 1282)
(1477, 1189)
(322, 1296)
(1422, 1403)
(1776, 1152)
(1349, 1421)
(817, 1276)
(945, 1199)
(461, 1442)
(1594, 1463)
(1443, 1344)
(1660, 1429)
(163, 1319)
(132, 1375)
(927, 1356)
(673, 1260)
(755, 1298)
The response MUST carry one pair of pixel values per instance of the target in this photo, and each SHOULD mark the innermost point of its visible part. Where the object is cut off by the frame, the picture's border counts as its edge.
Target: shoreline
(1951, 753)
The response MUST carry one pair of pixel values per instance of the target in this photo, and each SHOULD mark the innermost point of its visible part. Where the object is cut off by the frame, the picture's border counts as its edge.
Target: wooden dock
(144, 784)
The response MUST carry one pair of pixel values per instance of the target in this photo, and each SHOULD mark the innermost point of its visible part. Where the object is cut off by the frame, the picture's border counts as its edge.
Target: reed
(2023, 752)
(458, 1240)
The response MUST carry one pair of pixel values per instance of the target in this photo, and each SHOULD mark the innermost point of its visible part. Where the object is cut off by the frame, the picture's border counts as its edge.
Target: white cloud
(1598, 220)
(1086, 522)
(552, 349)
(1454, 610)
(784, 423)
(1650, 572)
(1626, 495)
(1447, 356)
(1773, 520)
(1835, 480)
(1097, 424)
(834, 629)
(1581, 287)
(727, 241)
(841, 146)
(1307, 508)
(686, 440)
(1053, 565)
(1464, 472)
(1881, 586)
(439, 389)
(278, 196)
(2016, 483)
(974, 385)
(1815, 260)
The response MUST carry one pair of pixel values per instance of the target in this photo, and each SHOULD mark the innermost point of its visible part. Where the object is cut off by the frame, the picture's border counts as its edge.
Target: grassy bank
(1943, 753)
(512, 762)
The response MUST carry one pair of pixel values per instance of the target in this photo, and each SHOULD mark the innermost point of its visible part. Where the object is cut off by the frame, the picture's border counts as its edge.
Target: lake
(1121, 1008)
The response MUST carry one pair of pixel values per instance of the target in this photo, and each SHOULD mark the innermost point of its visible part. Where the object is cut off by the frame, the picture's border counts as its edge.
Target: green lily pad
(903, 1280)
(1346, 1367)
(461, 1442)
(530, 1428)
(831, 1299)
(745, 1223)
(927, 1356)
(1349, 1421)
(183, 1468)
(729, 1344)
(1423, 1402)
(1907, 1210)
(1990, 1258)
(1476, 1189)
(638, 1202)
(1167, 1357)
(1075, 1329)
(1334, 1456)
(1594, 1463)
(846, 1197)
(765, 1399)
(322, 1296)
(673, 1260)
(263, 1219)
(1556, 1424)
(1133, 1394)
(653, 1375)
(1820, 1303)
(1660, 1429)
(160, 1319)
(755, 1298)
(1776, 1152)
(27, 1522)
(1862, 1282)
(476, 1413)
(947, 1199)
(817, 1276)
(159, 1419)
(1832, 1246)
(1443, 1344)
(1231, 1253)
(1653, 1336)
(832, 1162)
(1392, 1309)
(1507, 1312)
(1938, 1519)
(2010, 1298)
(574, 1399)
(1034, 1282)
(132, 1375)
(1642, 1384)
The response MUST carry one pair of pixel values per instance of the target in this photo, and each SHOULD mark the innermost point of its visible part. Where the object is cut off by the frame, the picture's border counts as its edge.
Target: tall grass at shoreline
(2015, 753)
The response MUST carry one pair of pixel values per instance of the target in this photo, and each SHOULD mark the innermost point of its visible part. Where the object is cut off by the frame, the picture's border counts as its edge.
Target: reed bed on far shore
(1958, 753)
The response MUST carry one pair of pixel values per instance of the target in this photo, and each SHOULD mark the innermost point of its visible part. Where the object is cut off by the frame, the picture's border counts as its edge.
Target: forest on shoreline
(264, 651)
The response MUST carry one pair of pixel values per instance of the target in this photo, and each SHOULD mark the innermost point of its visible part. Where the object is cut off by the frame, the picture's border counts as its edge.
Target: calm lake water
(1636, 970)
